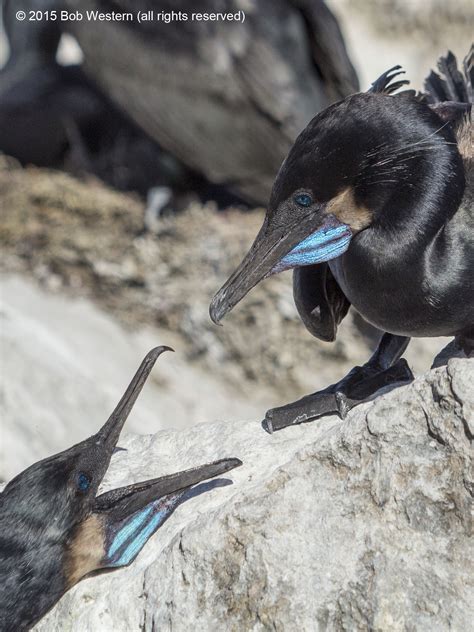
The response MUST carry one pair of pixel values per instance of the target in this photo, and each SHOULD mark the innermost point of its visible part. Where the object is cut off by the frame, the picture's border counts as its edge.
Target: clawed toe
(306, 409)
(359, 386)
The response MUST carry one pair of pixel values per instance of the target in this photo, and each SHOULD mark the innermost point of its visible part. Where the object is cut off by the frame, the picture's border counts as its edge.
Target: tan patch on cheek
(85, 550)
(344, 207)
(465, 138)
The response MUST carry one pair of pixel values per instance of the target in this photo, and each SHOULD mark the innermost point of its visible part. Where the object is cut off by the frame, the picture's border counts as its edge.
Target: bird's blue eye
(83, 482)
(303, 199)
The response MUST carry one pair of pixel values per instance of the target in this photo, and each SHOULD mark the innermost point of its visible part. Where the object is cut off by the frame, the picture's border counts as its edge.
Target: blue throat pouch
(327, 242)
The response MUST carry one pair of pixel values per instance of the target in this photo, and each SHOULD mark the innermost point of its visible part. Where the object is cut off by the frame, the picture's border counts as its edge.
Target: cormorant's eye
(83, 482)
(303, 199)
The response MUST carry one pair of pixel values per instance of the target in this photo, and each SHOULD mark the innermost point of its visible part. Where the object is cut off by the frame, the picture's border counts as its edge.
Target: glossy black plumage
(54, 530)
(398, 172)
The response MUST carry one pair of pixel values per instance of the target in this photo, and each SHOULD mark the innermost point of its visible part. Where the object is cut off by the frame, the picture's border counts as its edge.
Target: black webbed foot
(357, 387)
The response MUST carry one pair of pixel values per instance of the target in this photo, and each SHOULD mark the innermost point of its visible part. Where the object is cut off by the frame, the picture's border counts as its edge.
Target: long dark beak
(118, 523)
(125, 518)
(131, 515)
(110, 431)
(271, 252)
(126, 500)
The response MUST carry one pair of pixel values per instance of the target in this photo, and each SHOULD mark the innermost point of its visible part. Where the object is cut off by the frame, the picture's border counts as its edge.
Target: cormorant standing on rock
(55, 530)
(373, 207)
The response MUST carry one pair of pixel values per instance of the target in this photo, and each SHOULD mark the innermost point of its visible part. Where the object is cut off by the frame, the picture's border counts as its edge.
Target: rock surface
(362, 524)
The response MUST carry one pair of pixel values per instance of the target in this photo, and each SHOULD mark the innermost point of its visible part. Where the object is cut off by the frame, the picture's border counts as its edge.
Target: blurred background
(135, 164)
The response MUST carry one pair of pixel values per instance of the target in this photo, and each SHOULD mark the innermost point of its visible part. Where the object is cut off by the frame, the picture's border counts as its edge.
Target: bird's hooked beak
(123, 519)
(316, 237)
(109, 434)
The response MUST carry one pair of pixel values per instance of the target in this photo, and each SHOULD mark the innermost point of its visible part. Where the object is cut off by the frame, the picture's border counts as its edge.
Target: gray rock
(362, 524)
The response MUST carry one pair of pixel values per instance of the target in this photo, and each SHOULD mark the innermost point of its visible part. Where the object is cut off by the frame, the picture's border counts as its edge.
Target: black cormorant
(55, 530)
(373, 207)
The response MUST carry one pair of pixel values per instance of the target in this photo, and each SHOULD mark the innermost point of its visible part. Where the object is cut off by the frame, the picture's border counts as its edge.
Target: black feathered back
(451, 84)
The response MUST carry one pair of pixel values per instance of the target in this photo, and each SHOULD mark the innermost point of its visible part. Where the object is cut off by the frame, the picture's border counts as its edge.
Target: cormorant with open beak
(373, 207)
(54, 530)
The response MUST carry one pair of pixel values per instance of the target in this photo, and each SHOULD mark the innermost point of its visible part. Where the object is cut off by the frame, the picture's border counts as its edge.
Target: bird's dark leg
(465, 342)
(384, 367)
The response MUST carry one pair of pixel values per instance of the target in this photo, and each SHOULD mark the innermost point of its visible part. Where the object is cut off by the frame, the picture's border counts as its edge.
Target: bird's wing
(226, 98)
(319, 300)
(450, 94)
(451, 84)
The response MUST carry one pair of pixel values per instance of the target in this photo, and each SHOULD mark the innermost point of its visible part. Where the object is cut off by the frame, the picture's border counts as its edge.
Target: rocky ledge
(362, 524)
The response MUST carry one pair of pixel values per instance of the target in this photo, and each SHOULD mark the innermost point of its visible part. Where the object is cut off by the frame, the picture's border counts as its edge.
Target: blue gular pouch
(127, 538)
(327, 242)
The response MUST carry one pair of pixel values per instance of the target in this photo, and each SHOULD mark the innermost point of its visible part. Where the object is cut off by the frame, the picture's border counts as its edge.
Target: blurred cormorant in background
(53, 115)
(224, 99)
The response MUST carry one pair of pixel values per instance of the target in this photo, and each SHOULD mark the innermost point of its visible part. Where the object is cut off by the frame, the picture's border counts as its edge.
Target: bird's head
(55, 504)
(364, 164)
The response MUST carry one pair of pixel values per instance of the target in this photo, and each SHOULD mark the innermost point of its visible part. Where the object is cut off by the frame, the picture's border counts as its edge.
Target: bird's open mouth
(130, 515)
